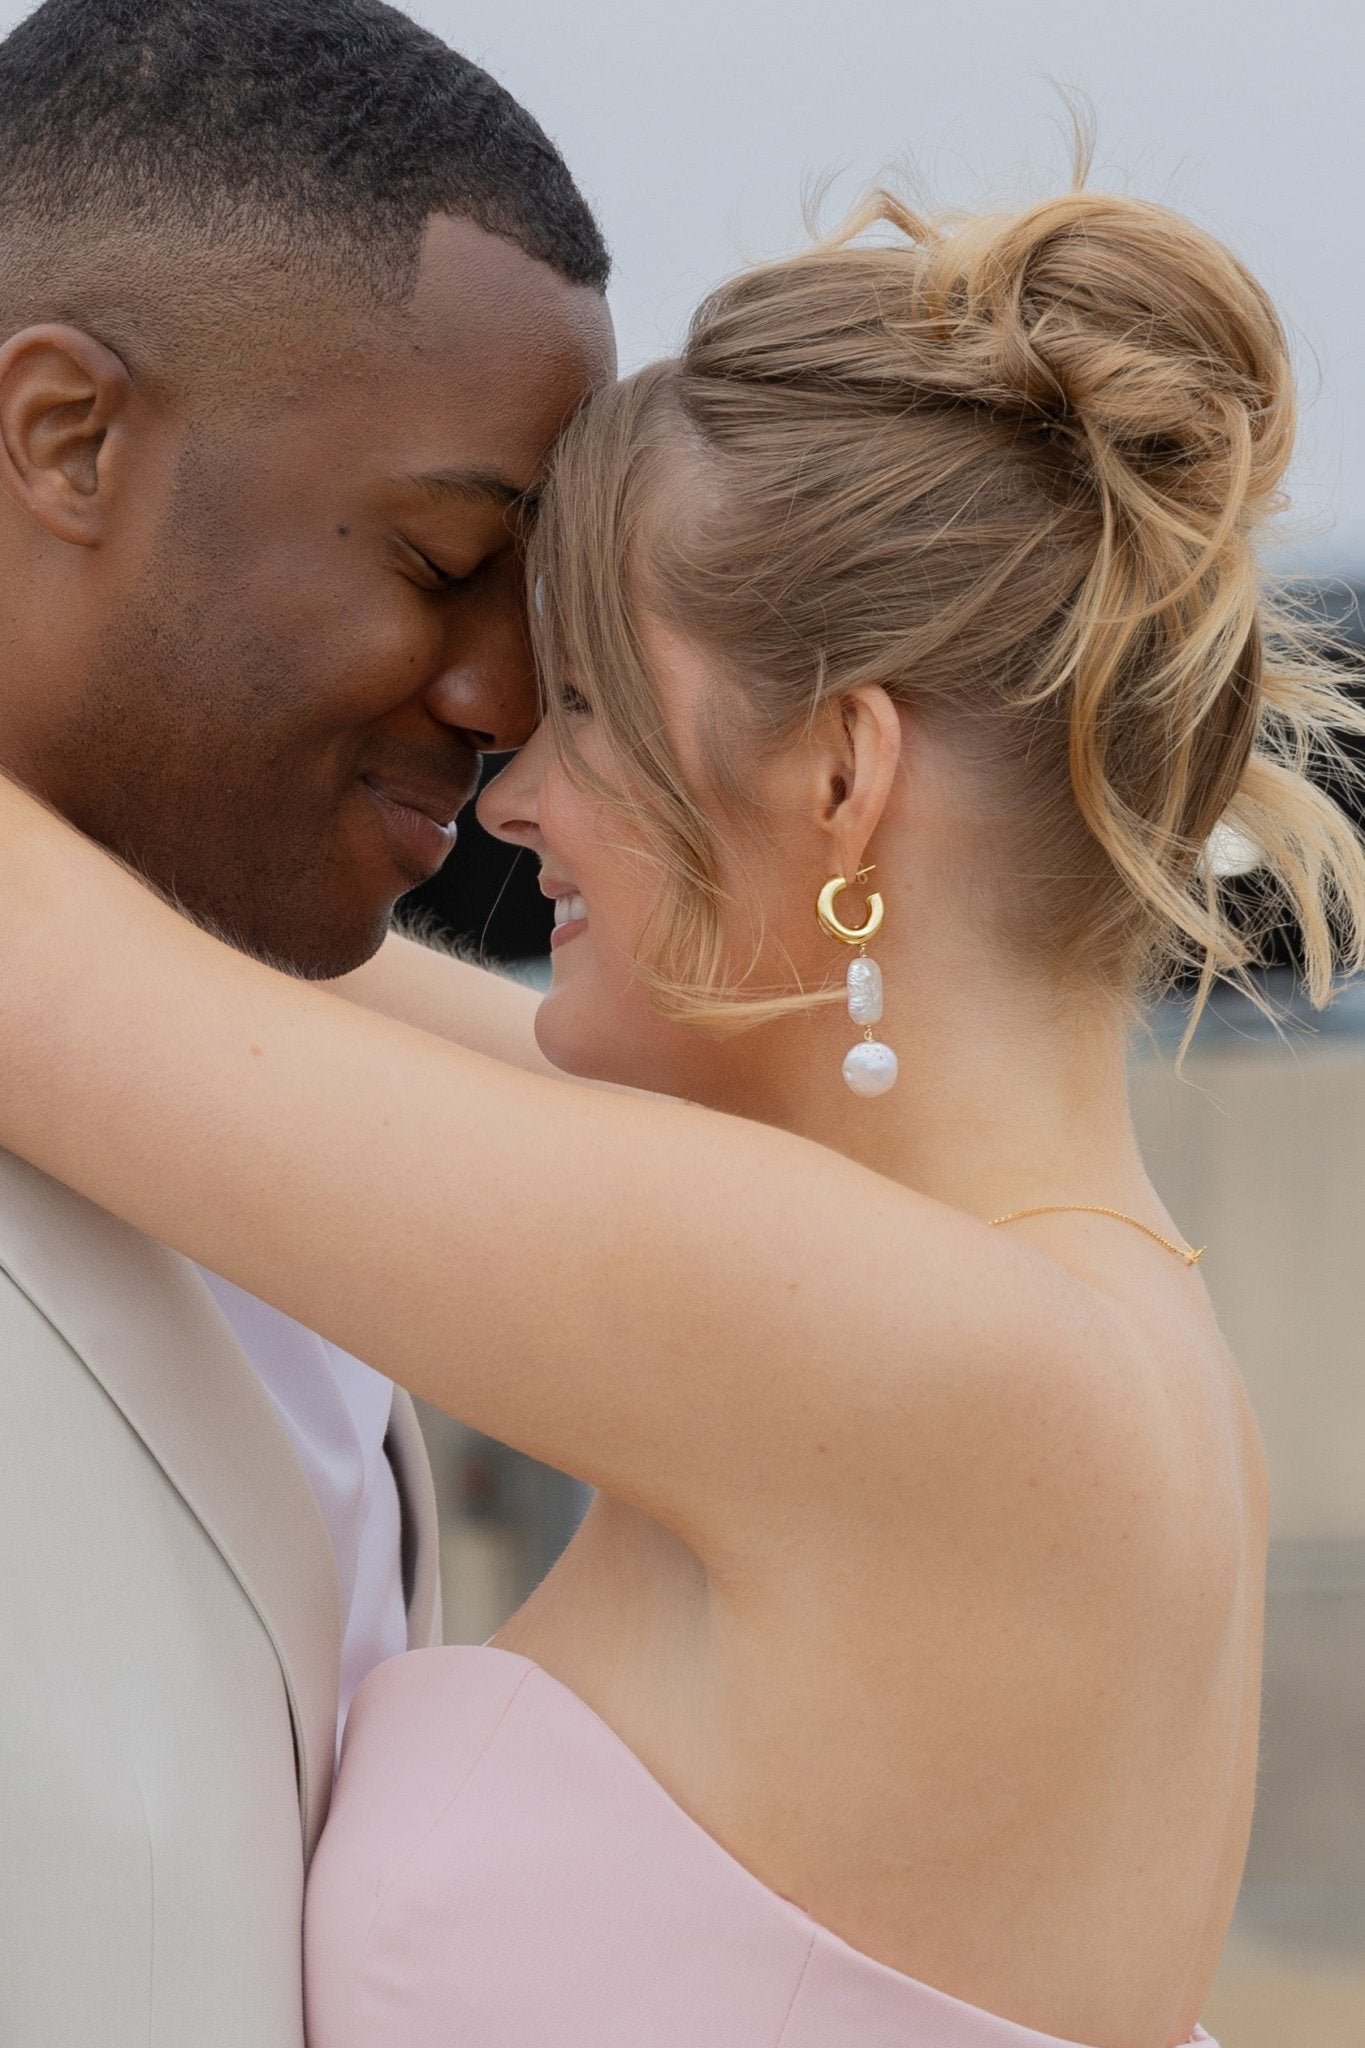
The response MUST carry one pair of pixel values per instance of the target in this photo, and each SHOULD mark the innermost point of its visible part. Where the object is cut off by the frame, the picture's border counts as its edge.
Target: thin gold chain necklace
(1182, 1251)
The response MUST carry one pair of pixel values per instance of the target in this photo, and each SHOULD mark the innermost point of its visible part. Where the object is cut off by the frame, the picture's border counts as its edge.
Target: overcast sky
(695, 125)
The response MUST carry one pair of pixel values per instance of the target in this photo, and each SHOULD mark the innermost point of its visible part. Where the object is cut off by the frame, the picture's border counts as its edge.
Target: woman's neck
(1006, 1097)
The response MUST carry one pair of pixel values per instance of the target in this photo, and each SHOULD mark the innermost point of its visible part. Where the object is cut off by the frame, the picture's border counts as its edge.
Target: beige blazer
(169, 1648)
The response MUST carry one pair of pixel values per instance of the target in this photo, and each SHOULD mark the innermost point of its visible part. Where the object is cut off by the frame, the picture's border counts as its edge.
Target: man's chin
(312, 947)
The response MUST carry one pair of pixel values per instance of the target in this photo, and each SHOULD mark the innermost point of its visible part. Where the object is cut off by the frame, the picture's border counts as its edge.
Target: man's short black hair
(324, 132)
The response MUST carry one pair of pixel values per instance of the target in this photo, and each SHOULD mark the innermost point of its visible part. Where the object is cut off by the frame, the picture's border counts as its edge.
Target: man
(293, 302)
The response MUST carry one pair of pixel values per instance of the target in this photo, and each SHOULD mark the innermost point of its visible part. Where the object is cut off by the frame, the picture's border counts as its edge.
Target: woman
(901, 1685)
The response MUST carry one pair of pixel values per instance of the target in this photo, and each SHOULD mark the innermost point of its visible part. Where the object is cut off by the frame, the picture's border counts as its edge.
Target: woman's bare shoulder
(990, 1395)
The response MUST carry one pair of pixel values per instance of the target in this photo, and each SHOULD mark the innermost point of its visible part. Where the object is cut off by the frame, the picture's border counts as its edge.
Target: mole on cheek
(343, 531)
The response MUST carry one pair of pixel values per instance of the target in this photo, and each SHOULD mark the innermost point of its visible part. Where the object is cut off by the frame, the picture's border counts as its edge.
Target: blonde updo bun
(1015, 467)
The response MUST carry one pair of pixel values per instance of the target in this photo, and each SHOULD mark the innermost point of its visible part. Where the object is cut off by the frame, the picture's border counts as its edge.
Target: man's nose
(487, 687)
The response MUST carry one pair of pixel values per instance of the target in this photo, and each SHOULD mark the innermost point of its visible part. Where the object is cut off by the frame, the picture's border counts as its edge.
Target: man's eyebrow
(487, 485)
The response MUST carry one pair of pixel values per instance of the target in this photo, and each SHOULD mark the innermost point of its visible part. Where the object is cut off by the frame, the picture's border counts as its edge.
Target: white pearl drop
(871, 1068)
(864, 991)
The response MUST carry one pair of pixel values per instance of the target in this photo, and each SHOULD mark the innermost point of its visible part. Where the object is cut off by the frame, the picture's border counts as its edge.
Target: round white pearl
(864, 992)
(871, 1068)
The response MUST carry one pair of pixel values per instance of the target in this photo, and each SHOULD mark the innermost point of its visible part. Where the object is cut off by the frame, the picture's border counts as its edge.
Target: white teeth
(568, 909)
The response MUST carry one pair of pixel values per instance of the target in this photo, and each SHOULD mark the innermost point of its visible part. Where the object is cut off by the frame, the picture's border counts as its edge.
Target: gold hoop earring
(870, 1068)
(834, 925)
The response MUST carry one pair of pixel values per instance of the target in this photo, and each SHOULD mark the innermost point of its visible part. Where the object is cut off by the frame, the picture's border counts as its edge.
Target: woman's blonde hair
(1014, 468)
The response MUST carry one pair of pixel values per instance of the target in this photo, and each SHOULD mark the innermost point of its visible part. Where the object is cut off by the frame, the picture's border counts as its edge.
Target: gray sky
(695, 125)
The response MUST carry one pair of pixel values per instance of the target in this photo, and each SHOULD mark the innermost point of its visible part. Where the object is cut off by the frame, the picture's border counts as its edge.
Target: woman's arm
(434, 990)
(697, 1313)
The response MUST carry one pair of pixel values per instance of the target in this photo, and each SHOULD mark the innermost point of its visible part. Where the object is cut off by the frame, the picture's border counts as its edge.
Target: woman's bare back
(1010, 1754)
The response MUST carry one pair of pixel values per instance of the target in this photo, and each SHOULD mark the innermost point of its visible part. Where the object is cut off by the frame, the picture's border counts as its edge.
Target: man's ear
(62, 395)
(860, 770)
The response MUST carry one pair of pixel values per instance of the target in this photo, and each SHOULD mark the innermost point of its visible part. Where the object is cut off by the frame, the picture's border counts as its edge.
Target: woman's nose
(509, 806)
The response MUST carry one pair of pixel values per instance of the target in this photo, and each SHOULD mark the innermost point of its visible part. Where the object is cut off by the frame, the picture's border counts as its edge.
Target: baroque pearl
(864, 991)
(870, 1068)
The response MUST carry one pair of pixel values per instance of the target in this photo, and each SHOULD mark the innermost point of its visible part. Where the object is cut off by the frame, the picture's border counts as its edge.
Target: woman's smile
(571, 916)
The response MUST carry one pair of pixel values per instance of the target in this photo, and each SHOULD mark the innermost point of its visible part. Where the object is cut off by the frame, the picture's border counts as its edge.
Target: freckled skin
(257, 630)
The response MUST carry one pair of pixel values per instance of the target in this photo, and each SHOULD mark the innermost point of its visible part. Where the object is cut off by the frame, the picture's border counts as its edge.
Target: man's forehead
(492, 359)
(458, 397)
(476, 294)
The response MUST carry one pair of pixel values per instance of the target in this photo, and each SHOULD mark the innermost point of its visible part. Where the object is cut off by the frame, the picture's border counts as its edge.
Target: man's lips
(420, 816)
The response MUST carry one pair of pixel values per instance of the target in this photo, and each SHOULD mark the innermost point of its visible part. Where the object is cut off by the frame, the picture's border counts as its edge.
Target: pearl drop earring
(870, 1068)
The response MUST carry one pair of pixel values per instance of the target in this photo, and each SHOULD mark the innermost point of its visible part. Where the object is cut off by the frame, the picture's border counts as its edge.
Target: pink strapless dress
(500, 1871)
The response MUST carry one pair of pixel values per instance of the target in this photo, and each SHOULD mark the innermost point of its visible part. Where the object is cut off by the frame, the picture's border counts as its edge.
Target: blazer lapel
(141, 1320)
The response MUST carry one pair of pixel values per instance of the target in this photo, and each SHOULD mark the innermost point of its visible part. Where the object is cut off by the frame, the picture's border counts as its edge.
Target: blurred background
(696, 131)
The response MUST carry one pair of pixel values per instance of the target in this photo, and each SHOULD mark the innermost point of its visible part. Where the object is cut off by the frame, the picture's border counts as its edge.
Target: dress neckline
(1015, 2033)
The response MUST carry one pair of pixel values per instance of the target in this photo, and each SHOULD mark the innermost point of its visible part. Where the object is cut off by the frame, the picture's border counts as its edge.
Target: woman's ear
(864, 757)
(61, 394)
